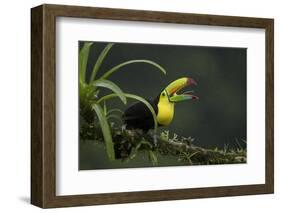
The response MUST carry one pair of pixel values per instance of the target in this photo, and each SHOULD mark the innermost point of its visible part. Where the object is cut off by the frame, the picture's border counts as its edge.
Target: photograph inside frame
(154, 105)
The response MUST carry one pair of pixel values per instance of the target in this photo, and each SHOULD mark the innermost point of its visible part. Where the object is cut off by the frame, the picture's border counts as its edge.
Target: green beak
(183, 97)
(173, 88)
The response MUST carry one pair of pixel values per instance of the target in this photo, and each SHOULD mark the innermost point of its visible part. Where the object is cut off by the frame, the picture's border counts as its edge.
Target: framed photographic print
(135, 106)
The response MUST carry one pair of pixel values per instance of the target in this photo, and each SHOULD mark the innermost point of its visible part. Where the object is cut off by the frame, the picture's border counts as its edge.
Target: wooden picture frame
(43, 105)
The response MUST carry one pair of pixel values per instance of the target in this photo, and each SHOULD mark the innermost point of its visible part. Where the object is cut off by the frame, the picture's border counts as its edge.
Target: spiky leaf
(117, 67)
(112, 86)
(83, 60)
(105, 131)
(100, 60)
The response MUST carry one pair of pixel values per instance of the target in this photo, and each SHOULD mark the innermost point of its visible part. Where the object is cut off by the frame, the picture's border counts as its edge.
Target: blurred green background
(216, 119)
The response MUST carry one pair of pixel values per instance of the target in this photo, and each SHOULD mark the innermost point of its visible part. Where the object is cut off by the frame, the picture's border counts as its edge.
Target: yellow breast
(165, 113)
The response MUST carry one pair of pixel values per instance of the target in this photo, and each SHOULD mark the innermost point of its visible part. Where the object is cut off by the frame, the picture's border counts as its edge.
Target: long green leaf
(104, 108)
(138, 98)
(100, 60)
(115, 117)
(112, 86)
(153, 157)
(114, 110)
(83, 60)
(105, 131)
(117, 67)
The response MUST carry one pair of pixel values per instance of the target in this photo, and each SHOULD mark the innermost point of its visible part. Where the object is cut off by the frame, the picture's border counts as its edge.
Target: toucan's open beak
(173, 88)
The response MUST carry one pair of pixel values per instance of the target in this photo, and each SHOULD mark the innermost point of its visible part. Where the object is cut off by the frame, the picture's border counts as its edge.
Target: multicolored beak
(173, 88)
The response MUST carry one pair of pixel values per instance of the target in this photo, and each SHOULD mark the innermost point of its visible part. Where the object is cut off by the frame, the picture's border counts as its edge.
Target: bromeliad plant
(89, 90)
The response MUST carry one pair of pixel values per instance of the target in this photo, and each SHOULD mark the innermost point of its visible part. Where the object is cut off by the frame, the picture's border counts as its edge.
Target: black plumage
(138, 116)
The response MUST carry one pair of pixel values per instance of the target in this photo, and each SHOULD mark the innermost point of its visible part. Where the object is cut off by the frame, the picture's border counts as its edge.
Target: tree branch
(128, 142)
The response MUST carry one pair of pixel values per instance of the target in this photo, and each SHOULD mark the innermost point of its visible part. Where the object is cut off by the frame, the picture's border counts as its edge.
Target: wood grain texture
(269, 118)
(43, 105)
(36, 106)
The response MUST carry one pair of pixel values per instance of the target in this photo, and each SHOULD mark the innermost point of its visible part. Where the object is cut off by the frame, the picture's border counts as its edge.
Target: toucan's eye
(163, 94)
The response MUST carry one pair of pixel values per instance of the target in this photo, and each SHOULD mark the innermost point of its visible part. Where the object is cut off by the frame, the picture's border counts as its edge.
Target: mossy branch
(199, 155)
(128, 143)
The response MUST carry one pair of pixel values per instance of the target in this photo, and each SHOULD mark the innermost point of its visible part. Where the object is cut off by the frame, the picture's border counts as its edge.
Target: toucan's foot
(123, 127)
(155, 140)
(152, 138)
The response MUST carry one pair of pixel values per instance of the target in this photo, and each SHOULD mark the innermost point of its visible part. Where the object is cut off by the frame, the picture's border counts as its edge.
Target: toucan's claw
(123, 127)
(154, 140)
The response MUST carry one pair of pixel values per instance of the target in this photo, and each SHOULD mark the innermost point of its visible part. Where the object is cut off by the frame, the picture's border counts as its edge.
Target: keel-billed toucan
(138, 116)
